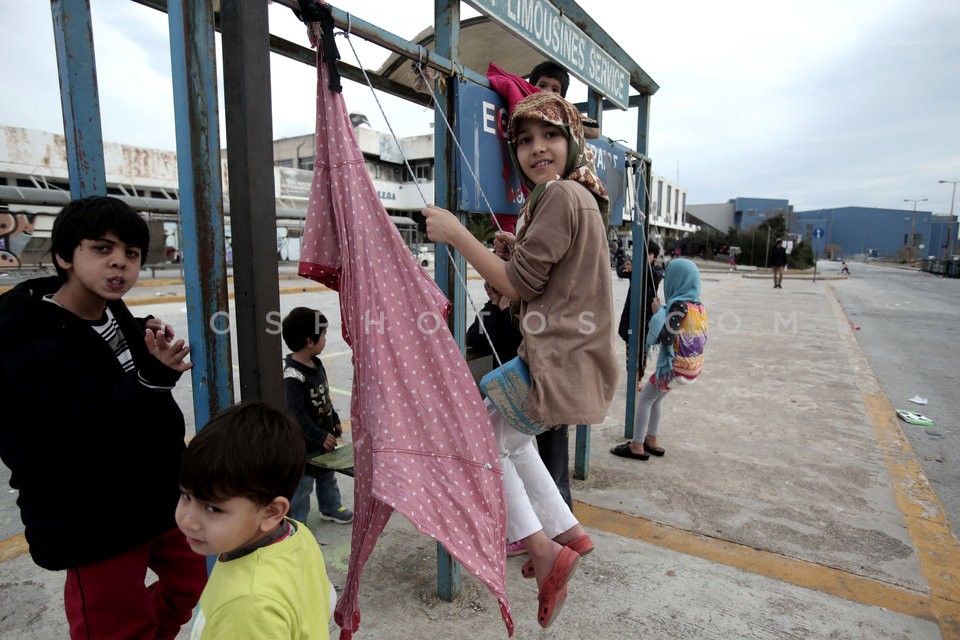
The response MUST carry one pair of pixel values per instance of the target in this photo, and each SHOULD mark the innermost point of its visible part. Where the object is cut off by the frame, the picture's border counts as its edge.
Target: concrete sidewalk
(788, 505)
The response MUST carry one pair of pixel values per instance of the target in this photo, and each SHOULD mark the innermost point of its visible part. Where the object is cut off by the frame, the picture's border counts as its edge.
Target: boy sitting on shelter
(236, 480)
(550, 77)
(306, 394)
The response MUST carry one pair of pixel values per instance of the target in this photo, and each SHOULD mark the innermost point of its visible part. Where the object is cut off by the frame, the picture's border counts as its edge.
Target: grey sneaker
(341, 515)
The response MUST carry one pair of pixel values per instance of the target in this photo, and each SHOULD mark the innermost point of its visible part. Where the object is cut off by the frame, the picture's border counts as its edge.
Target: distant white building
(668, 205)
(34, 185)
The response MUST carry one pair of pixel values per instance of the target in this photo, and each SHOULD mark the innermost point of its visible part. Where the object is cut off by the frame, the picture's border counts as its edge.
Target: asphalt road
(910, 335)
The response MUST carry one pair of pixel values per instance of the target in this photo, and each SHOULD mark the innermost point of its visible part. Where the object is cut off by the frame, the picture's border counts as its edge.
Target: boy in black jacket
(306, 395)
(104, 434)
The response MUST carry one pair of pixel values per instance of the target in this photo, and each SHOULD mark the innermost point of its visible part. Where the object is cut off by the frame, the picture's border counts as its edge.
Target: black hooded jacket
(94, 454)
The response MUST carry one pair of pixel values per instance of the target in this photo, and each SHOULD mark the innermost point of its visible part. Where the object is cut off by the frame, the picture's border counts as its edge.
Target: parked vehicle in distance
(426, 257)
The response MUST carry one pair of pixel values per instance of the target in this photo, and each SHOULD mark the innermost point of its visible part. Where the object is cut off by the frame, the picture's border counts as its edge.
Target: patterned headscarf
(551, 108)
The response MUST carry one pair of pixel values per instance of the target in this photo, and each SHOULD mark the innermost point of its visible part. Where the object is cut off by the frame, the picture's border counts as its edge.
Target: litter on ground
(912, 417)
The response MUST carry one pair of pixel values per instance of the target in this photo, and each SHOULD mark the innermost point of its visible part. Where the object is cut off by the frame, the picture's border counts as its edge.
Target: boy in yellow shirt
(237, 478)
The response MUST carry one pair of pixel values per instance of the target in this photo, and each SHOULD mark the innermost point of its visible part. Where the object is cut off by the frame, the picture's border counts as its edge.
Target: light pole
(949, 255)
(913, 221)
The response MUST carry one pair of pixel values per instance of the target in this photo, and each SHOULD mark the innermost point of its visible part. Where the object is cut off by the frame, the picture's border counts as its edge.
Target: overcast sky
(827, 103)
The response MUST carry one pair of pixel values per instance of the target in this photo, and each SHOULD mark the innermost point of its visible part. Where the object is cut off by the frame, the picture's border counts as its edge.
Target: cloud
(825, 103)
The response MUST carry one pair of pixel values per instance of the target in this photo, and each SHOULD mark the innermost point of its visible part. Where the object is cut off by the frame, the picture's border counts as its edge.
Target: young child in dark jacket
(306, 394)
(104, 432)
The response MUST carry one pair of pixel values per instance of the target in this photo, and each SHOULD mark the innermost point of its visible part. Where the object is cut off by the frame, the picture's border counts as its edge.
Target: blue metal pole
(641, 222)
(447, 30)
(193, 58)
(581, 457)
(73, 35)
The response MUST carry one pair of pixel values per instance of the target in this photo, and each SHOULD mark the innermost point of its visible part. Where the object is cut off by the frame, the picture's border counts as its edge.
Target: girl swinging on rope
(558, 268)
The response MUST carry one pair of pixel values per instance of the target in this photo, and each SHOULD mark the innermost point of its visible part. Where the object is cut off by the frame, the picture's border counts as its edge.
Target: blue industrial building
(852, 232)
(867, 231)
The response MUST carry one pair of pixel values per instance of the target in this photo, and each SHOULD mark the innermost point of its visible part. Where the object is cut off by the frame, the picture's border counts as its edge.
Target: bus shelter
(455, 51)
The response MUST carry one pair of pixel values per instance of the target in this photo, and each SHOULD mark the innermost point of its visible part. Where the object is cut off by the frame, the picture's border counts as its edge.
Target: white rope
(419, 67)
(456, 268)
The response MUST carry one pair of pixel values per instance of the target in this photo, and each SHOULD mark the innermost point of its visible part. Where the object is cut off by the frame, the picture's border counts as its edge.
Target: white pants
(533, 500)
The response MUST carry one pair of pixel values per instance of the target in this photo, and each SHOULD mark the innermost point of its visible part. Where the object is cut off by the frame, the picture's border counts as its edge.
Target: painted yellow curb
(13, 547)
(779, 567)
(938, 551)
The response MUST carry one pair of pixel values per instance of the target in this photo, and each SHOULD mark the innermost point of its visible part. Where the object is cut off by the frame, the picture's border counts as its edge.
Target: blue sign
(481, 129)
(610, 159)
(818, 233)
(544, 27)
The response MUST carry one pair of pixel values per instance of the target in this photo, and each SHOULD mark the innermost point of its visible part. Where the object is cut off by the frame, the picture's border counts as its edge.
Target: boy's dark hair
(249, 450)
(91, 218)
(302, 323)
(551, 69)
(654, 248)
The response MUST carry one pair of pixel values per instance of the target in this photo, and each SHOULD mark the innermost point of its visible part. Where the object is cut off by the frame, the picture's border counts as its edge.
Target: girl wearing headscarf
(680, 328)
(559, 271)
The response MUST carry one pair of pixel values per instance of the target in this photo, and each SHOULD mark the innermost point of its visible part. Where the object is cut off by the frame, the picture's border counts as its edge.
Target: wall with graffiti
(16, 232)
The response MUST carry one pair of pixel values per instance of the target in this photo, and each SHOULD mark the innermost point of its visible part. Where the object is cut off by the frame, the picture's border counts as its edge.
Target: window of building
(284, 163)
(669, 196)
(424, 172)
(659, 196)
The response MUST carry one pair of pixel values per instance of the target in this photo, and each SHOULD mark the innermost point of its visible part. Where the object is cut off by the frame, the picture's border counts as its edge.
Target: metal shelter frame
(247, 45)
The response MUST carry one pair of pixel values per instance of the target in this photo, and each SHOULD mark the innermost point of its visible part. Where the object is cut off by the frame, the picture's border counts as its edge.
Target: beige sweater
(561, 269)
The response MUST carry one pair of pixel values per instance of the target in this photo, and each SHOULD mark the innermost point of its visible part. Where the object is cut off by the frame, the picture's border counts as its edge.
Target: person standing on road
(778, 260)
(95, 456)
(680, 328)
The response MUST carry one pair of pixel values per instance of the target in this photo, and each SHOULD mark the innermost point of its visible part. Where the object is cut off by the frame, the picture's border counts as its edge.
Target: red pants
(108, 600)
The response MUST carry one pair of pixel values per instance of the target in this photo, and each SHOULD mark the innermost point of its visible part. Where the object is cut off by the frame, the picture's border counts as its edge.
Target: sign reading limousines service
(541, 25)
(481, 129)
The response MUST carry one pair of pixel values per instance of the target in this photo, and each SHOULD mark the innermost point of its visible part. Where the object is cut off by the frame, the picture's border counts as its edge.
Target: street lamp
(949, 255)
(913, 221)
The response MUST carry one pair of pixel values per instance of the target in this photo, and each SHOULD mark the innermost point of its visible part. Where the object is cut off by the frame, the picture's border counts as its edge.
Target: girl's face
(541, 150)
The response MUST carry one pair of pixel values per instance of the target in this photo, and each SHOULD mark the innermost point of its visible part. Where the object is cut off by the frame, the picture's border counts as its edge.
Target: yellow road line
(772, 565)
(938, 551)
(180, 297)
(13, 547)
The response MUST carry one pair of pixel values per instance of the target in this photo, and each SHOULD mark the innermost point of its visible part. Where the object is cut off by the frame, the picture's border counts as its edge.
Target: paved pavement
(788, 505)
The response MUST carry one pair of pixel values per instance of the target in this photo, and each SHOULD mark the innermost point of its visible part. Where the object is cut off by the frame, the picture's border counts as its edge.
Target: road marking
(765, 563)
(13, 547)
(180, 297)
(938, 551)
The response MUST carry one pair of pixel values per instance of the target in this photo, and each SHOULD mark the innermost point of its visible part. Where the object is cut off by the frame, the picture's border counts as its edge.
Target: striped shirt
(109, 330)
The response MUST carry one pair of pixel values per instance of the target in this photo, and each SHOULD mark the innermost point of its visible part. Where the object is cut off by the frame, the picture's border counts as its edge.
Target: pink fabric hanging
(423, 443)
(510, 86)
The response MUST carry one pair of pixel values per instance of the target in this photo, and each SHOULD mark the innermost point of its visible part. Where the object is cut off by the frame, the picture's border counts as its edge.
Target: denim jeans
(328, 493)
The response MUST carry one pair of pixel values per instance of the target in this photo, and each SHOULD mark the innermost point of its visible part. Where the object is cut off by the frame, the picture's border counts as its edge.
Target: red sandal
(582, 545)
(553, 591)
